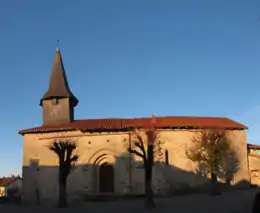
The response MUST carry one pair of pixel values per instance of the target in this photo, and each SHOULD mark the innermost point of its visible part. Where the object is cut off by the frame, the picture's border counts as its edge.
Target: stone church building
(104, 164)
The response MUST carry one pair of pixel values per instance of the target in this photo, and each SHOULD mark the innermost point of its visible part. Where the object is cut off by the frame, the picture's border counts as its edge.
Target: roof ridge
(122, 124)
(170, 116)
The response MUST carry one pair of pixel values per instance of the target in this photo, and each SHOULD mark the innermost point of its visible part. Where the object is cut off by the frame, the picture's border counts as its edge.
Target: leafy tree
(212, 150)
(65, 152)
(144, 147)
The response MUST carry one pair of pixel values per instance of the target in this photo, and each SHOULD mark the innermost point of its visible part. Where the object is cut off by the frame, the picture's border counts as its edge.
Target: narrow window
(166, 157)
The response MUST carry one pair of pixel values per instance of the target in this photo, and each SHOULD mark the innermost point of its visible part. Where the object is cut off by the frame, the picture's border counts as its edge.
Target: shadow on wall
(124, 177)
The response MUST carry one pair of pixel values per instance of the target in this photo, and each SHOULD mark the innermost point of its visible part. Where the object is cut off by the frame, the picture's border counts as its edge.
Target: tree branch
(140, 144)
(141, 147)
(136, 153)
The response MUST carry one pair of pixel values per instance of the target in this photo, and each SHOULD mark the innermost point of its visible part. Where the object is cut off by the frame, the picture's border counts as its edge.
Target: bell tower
(58, 102)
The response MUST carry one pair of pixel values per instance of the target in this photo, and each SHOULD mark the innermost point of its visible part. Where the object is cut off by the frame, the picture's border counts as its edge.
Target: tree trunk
(228, 184)
(214, 183)
(149, 202)
(37, 197)
(256, 205)
(62, 192)
(148, 189)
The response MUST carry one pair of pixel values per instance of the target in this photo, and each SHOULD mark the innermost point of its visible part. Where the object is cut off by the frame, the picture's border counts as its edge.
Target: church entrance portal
(106, 178)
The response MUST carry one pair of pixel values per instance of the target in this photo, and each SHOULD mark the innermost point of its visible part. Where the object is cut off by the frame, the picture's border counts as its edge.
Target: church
(104, 165)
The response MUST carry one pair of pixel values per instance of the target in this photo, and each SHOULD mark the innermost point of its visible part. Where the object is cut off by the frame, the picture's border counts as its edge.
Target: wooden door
(106, 178)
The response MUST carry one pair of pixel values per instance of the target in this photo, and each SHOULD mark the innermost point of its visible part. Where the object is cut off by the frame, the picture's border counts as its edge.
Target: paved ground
(233, 202)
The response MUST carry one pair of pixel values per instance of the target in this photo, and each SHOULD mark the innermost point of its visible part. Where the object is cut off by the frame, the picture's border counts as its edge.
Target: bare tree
(65, 152)
(144, 144)
(212, 150)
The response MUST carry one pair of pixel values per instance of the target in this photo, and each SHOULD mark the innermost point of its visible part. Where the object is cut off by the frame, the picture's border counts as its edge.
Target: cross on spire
(58, 48)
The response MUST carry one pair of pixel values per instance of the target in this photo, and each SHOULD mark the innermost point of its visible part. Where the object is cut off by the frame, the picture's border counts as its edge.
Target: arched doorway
(106, 178)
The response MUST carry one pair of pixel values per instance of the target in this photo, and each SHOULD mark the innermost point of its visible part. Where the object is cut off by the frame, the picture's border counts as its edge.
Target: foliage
(13, 195)
(12, 192)
(212, 150)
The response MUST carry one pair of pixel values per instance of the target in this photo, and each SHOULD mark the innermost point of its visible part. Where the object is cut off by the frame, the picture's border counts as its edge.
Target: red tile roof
(123, 124)
(4, 181)
(253, 146)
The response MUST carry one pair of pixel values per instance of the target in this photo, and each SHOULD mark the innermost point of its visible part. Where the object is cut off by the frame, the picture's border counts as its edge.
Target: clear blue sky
(129, 59)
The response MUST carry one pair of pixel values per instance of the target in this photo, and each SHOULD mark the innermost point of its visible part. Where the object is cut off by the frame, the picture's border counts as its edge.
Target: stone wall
(97, 148)
(254, 166)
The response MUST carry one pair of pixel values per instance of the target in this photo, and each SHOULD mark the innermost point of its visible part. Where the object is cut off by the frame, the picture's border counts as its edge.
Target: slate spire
(58, 86)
